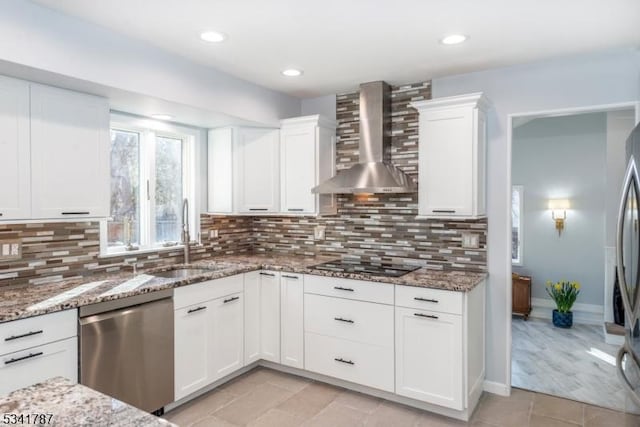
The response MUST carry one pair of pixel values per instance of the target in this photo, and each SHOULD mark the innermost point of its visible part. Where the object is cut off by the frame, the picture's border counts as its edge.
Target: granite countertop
(71, 405)
(18, 302)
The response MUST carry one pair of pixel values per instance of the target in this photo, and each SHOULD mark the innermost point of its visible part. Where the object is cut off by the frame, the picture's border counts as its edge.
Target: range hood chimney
(374, 173)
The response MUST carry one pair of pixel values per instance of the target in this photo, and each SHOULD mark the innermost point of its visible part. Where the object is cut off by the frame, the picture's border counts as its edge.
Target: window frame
(148, 130)
(520, 190)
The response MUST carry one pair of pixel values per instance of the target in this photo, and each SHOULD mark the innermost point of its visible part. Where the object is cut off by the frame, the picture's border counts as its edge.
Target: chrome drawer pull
(267, 274)
(295, 210)
(430, 316)
(443, 211)
(76, 213)
(426, 299)
(340, 288)
(18, 359)
(340, 319)
(193, 310)
(28, 334)
(290, 277)
(341, 360)
(231, 299)
(258, 209)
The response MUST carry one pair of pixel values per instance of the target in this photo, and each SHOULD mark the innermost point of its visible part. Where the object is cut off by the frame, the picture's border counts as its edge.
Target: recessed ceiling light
(162, 116)
(453, 39)
(292, 72)
(212, 36)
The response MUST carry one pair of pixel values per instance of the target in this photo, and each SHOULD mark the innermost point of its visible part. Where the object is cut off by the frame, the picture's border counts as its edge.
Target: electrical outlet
(10, 250)
(213, 234)
(319, 232)
(470, 240)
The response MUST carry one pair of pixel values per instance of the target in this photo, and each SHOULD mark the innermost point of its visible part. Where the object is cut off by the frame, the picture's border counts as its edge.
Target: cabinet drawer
(28, 367)
(364, 364)
(26, 333)
(206, 291)
(349, 289)
(359, 321)
(429, 299)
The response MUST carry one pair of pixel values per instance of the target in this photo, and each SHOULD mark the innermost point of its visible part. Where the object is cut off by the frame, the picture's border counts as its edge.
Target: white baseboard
(496, 388)
(590, 314)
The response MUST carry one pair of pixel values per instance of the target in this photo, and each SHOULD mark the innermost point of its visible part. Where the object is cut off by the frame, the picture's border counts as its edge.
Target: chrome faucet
(186, 238)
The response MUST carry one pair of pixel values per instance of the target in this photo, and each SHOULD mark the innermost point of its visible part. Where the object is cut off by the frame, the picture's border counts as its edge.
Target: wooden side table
(521, 295)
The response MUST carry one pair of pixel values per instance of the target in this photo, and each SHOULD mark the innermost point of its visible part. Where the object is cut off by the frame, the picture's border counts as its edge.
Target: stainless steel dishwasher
(126, 349)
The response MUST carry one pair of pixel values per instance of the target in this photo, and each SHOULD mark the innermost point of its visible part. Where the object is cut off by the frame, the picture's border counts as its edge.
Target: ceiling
(340, 43)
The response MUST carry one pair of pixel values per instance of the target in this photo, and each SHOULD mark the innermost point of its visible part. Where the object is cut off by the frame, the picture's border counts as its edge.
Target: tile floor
(268, 398)
(574, 363)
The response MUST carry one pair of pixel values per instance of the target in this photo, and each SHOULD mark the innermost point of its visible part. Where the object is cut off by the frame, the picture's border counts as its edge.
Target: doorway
(567, 171)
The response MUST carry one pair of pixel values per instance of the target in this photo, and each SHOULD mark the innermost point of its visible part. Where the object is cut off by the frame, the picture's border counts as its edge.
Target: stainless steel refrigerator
(628, 265)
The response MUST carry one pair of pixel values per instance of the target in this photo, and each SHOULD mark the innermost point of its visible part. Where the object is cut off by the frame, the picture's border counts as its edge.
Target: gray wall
(580, 81)
(325, 105)
(563, 158)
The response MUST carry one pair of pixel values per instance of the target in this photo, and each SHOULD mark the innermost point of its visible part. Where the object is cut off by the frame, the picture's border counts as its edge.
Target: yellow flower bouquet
(564, 293)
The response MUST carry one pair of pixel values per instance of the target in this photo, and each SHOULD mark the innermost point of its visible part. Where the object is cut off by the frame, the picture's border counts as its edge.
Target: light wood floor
(574, 363)
(267, 398)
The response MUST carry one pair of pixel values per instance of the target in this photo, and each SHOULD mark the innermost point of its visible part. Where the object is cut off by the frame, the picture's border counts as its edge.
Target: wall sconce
(558, 209)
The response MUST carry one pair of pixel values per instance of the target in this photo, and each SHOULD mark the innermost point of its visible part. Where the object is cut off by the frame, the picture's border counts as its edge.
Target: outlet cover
(213, 234)
(10, 250)
(319, 232)
(470, 240)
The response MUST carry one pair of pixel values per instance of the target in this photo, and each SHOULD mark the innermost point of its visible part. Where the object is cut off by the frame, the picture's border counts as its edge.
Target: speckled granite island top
(18, 302)
(70, 405)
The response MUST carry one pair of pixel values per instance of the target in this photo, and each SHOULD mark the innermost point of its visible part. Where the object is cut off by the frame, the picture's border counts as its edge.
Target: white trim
(520, 191)
(543, 113)
(496, 388)
(589, 314)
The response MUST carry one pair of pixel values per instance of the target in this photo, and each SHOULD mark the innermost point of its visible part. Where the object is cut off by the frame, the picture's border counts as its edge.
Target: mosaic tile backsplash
(376, 227)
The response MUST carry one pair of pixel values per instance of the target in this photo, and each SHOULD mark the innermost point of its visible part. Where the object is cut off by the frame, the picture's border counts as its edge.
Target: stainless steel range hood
(374, 173)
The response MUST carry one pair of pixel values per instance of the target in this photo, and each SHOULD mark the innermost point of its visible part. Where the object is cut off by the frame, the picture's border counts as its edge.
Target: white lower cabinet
(291, 320)
(38, 348)
(262, 316)
(209, 333)
(429, 357)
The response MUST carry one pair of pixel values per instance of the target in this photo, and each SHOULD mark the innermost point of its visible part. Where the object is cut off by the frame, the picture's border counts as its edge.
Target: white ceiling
(341, 43)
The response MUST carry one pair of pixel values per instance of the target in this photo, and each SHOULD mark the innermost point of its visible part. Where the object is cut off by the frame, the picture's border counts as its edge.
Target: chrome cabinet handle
(341, 360)
(340, 288)
(230, 300)
(258, 209)
(76, 213)
(426, 299)
(18, 359)
(430, 316)
(267, 274)
(443, 211)
(340, 319)
(295, 210)
(28, 334)
(290, 277)
(193, 310)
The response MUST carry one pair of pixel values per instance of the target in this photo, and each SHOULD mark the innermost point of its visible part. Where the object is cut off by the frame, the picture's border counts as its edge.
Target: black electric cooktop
(367, 267)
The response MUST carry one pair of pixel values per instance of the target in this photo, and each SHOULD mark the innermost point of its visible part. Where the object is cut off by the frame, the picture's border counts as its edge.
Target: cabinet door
(270, 316)
(292, 320)
(429, 357)
(24, 368)
(220, 168)
(252, 303)
(227, 326)
(446, 162)
(298, 169)
(258, 178)
(192, 348)
(15, 167)
(69, 154)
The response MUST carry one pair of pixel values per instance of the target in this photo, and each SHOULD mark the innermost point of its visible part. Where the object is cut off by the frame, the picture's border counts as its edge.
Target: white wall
(325, 105)
(603, 78)
(34, 36)
(563, 158)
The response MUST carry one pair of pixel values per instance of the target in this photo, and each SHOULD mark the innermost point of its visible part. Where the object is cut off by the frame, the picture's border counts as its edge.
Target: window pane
(124, 227)
(168, 189)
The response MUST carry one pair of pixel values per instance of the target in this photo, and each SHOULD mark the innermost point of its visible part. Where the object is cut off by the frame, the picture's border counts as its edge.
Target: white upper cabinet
(15, 191)
(69, 154)
(258, 170)
(452, 156)
(272, 171)
(307, 157)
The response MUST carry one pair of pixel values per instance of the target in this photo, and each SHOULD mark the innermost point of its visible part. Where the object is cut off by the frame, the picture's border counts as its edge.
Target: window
(149, 180)
(517, 197)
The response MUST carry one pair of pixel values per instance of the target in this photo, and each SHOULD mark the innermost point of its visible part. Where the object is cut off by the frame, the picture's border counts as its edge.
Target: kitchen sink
(184, 272)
